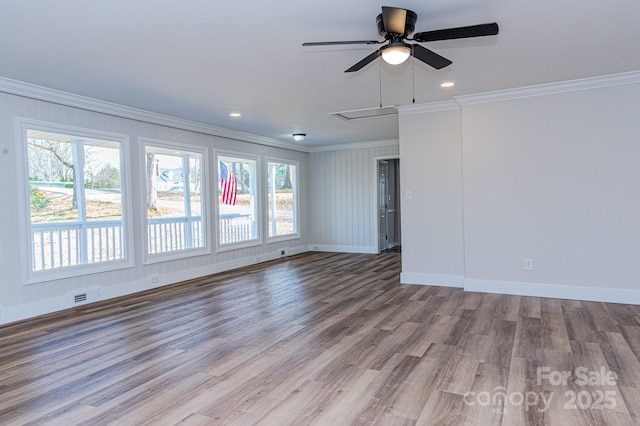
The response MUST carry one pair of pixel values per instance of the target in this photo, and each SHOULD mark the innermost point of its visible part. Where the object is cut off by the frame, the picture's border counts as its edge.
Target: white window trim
(204, 191)
(258, 197)
(29, 276)
(296, 212)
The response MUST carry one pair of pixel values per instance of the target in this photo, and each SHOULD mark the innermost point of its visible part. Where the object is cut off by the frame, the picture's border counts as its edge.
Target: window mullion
(294, 197)
(186, 189)
(272, 173)
(252, 199)
(78, 185)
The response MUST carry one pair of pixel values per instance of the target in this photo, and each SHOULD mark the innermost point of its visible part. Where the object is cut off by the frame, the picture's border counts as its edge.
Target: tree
(195, 175)
(108, 177)
(44, 166)
(62, 152)
(286, 182)
(239, 172)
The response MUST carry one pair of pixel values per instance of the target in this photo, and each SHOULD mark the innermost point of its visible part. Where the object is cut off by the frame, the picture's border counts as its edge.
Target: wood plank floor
(323, 339)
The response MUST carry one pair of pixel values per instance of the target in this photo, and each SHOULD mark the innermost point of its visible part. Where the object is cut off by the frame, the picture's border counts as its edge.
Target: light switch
(409, 194)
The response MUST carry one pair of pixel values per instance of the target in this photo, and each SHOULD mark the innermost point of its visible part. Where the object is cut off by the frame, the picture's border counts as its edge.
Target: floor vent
(79, 298)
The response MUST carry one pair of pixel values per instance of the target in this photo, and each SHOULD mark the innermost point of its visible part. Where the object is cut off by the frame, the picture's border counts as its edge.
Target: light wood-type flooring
(323, 339)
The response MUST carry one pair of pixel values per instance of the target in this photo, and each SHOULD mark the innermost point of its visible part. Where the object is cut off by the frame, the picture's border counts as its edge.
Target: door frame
(374, 207)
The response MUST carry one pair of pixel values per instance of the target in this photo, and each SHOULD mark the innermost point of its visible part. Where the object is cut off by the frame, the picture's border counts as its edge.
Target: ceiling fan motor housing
(395, 25)
(409, 26)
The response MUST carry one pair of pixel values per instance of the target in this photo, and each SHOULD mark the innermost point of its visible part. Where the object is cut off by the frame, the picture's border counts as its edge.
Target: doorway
(389, 205)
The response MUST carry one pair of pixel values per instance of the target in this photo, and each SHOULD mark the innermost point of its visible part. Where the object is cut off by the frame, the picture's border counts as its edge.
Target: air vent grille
(79, 298)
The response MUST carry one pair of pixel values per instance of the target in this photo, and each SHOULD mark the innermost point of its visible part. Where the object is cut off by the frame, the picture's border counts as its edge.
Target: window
(75, 200)
(282, 199)
(174, 198)
(237, 202)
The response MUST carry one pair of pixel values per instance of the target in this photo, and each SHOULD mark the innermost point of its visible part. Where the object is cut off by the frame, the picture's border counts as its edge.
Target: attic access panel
(357, 114)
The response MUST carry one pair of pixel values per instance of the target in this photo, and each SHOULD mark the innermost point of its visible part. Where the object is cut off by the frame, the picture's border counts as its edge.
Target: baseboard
(41, 307)
(11, 314)
(558, 291)
(344, 249)
(440, 280)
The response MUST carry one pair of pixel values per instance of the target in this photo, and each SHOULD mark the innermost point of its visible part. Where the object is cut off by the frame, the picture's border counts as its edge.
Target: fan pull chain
(413, 75)
(380, 81)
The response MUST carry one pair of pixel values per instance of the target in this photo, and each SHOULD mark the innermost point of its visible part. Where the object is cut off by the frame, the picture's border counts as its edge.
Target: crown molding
(355, 145)
(33, 91)
(429, 107)
(41, 93)
(632, 77)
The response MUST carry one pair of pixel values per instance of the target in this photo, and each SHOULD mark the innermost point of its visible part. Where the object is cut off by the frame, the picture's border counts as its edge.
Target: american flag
(228, 185)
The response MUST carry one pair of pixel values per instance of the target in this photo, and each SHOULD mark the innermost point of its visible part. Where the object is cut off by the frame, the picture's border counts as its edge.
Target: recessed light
(235, 114)
(447, 84)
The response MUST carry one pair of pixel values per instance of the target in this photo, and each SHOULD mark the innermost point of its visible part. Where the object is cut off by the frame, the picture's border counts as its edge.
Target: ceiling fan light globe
(395, 55)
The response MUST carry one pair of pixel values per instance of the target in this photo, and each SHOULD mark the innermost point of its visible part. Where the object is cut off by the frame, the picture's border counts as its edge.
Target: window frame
(151, 258)
(256, 184)
(296, 199)
(30, 276)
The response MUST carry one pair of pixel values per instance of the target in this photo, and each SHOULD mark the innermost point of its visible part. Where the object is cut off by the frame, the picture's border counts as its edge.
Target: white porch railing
(165, 234)
(236, 228)
(58, 245)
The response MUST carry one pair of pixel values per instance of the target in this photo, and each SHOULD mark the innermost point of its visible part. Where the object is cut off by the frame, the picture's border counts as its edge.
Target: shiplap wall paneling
(342, 203)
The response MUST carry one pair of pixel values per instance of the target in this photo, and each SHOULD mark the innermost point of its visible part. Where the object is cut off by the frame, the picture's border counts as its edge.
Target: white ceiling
(200, 60)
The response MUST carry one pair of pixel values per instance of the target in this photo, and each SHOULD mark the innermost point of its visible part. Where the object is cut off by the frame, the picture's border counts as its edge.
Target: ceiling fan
(395, 25)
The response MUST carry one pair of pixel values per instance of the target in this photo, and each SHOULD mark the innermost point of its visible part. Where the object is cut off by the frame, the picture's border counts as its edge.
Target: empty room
(420, 213)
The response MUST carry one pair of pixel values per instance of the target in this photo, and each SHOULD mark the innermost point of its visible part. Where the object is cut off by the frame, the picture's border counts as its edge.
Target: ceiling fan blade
(394, 19)
(366, 61)
(429, 57)
(460, 32)
(330, 43)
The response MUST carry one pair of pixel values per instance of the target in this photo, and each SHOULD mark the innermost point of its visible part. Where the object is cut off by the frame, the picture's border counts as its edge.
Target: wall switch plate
(409, 194)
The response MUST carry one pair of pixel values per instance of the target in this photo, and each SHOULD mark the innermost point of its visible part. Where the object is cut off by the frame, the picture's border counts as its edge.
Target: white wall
(556, 179)
(431, 169)
(18, 300)
(343, 204)
(552, 176)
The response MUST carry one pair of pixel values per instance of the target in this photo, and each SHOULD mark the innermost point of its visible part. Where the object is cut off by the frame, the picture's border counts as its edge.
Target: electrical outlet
(528, 264)
(154, 279)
